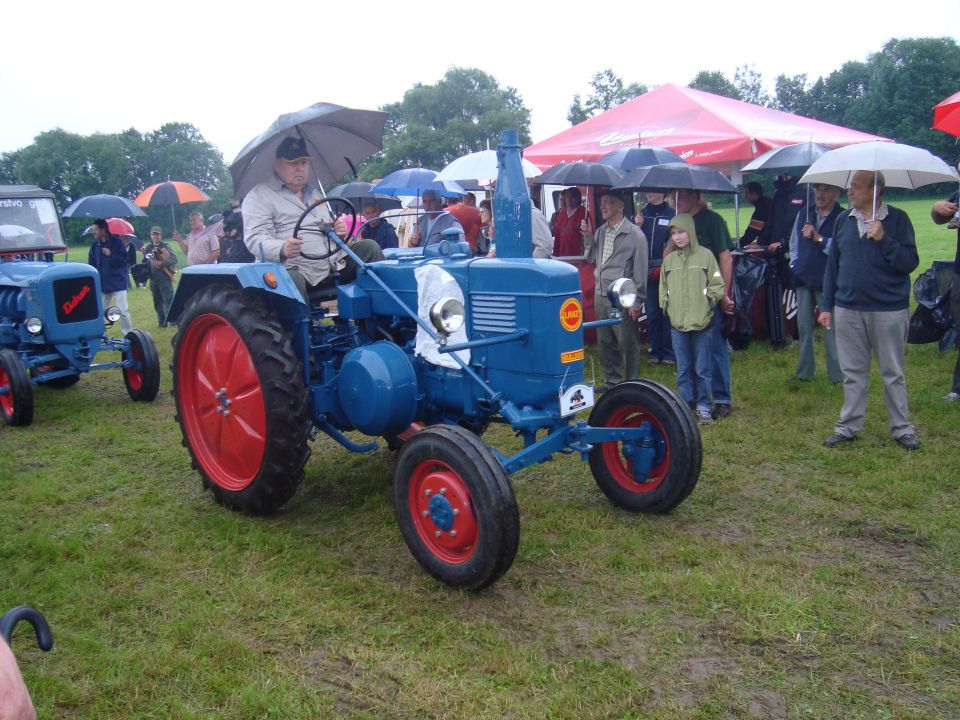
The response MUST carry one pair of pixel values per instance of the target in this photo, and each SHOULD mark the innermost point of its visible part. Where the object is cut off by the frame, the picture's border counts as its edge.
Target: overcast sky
(230, 69)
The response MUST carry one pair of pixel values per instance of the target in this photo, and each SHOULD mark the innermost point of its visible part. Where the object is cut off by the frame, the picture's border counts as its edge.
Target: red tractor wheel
(240, 399)
(142, 378)
(455, 507)
(16, 392)
(677, 447)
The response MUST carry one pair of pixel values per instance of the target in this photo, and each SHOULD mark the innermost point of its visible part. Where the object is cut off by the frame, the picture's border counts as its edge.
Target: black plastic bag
(932, 319)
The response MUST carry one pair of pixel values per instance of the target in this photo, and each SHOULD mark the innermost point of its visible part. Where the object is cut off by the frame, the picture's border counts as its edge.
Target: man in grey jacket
(617, 249)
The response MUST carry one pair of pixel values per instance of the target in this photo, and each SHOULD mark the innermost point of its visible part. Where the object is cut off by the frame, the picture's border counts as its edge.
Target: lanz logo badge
(70, 305)
(573, 356)
(571, 314)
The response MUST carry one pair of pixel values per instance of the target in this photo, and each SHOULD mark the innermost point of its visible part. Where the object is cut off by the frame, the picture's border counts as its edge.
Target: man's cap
(616, 194)
(156, 229)
(292, 148)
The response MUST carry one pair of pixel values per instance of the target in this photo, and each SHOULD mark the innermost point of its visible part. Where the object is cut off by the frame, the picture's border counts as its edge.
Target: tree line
(891, 94)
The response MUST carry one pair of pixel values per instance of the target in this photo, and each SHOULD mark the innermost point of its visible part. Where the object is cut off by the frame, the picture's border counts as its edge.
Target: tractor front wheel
(142, 378)
(456, 507)
(16, 392)
(677, 447)
(241, 401)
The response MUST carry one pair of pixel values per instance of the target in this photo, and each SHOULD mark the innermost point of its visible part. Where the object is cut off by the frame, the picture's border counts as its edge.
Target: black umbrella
(103, 206)
(630, 158)
(580, 173)
(358, 193)
(787, 160)
(676, 176)
(337, 137)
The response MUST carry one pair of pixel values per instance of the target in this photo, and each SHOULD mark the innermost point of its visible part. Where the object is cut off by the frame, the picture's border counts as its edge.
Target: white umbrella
(481, 166)
(903, 166)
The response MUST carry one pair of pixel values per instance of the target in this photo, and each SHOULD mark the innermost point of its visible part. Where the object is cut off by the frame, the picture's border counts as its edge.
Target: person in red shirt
(567, 240)
(468, 217)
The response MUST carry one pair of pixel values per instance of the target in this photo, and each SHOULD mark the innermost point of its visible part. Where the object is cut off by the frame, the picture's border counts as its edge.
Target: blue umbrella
(415, 181)
(103, 206)
(630, 158)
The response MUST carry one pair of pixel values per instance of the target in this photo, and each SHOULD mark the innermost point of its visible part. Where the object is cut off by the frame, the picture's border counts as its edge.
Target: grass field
(795, 582)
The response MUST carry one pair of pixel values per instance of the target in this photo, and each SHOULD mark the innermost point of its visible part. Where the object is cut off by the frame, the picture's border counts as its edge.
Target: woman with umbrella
(109, 257)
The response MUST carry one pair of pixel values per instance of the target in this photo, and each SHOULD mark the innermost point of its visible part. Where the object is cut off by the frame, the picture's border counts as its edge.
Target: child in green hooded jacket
(690, 288)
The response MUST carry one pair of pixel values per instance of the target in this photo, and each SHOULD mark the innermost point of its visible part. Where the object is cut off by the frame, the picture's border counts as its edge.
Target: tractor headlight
(34, 325)
(623, 293)
(112, 314)
(447, 315)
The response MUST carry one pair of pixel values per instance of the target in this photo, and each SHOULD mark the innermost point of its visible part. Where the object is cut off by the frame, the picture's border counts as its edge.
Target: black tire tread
(151, 367)
(285, 397)
(21, 389)
(503, 509)
(686, 446)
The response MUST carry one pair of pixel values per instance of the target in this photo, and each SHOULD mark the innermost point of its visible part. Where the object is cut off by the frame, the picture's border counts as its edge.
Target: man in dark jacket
(866, 297)
(377, 229)
(656, 217)
(810, 243)
(942, 212)
(109, 257)
(161, 260)
(753, 194)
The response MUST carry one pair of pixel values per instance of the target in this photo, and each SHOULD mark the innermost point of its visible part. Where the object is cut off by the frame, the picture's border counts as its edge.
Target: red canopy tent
(702, 128)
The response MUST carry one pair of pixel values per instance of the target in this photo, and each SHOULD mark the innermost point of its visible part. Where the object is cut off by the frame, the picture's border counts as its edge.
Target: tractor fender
(256, 276)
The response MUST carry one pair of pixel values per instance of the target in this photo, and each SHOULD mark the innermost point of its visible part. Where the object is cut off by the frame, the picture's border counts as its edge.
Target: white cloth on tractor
(433, 283)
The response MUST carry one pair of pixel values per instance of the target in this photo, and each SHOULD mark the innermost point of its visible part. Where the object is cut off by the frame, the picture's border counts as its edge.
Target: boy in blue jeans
(690, 288)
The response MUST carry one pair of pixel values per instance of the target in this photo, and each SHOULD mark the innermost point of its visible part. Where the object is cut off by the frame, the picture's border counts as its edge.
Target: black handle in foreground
(39, 622)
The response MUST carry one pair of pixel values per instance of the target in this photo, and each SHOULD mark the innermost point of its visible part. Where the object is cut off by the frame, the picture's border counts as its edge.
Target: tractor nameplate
(571, 314)
(572, 356)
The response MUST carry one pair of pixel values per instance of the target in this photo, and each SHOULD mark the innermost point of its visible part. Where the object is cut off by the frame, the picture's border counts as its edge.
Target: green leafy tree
(608, 92)
(749, 84)
(435, 124)
(714, 81)
(790, 93)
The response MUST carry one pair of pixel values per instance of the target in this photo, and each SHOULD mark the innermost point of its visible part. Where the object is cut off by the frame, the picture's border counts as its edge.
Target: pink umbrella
(117, 226)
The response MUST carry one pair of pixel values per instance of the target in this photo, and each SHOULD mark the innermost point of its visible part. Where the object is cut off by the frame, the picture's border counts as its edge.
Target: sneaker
(668, 362)
(704, 417)
(722, 410)
(951, 397)
(837, 439)
(654, 361)
(908, 442)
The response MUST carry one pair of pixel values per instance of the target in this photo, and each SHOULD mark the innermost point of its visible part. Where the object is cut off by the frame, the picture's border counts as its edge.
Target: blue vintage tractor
(425, 350)
(52, 323)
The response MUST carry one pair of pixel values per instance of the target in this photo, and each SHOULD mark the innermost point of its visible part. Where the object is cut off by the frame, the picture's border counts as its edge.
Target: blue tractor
(52, 323)
(425, 349)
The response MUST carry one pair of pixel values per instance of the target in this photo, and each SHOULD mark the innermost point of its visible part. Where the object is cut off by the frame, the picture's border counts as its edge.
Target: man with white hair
(433, 222)
(866, 299)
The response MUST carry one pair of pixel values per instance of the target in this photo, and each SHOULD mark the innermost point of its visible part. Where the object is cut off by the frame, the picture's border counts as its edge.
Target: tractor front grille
(76, 299)
(494, 313)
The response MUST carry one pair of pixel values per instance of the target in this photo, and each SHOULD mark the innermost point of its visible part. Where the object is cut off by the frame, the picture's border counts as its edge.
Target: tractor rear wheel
(16, 392)
(456, 507)
(142, 380)
(679, 452)
(241, 401)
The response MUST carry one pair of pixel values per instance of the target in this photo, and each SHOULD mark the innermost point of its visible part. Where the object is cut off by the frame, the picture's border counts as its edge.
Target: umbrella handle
(313, 206)
(35, 618)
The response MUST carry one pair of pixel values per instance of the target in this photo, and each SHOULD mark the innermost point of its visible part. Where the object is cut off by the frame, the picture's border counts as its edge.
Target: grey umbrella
(103, 206)
(579, 173)
(676, 176)
(337, 137)
(630, 158)
(787, 160)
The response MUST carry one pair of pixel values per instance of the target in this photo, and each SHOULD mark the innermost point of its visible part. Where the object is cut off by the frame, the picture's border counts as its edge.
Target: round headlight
(447, 315)
(112, 314)
(623, 293)
(34, 325)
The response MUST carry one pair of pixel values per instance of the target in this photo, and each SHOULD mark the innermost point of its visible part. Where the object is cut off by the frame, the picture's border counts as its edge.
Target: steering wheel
(323, 228)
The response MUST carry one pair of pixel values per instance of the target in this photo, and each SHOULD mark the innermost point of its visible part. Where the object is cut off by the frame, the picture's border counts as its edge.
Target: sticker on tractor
(571, 314)
(572, 356)
(575, 399)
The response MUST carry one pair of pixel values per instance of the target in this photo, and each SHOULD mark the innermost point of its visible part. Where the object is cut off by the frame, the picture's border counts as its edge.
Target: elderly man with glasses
(433, 222)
